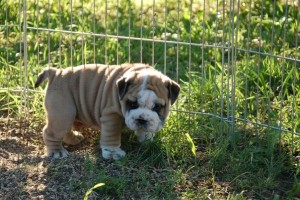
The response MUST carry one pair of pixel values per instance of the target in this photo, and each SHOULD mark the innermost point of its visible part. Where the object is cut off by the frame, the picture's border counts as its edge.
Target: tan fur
(88, 96)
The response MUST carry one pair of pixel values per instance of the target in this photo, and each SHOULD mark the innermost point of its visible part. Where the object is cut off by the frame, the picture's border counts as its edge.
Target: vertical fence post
(25, 57)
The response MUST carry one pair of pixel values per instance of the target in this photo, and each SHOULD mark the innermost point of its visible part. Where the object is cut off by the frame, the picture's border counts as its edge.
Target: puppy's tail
(48, 72)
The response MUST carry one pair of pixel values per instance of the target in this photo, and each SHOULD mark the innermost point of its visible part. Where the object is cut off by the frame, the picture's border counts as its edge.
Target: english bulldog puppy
(104, 97)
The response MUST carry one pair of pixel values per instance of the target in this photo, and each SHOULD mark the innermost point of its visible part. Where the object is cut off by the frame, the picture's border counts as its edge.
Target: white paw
(142, 136)
(55, 154)
(112, 152)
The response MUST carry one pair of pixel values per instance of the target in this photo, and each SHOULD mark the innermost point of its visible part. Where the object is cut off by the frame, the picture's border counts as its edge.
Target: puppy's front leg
(110, 140)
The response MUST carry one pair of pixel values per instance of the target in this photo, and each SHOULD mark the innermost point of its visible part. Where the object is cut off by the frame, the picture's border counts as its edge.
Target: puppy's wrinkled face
(145, 99)
(144, 111)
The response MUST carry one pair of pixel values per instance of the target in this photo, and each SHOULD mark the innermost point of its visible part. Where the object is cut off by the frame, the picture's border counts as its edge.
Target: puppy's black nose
(141, 121)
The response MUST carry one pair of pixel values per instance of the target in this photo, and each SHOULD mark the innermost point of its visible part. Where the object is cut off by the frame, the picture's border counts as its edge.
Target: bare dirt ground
(24, 171)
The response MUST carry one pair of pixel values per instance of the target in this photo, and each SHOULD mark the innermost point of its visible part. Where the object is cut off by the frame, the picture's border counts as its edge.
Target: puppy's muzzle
(141, 123)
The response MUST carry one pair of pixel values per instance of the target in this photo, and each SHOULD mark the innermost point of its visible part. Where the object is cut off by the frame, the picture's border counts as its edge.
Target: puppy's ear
(174, 90)
(123, 84)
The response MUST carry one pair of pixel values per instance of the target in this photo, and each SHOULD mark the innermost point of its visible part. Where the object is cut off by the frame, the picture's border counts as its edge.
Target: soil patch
(25, 173)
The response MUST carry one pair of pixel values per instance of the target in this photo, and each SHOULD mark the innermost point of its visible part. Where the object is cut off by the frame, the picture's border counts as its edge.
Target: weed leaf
(87, 194)
(191, 143)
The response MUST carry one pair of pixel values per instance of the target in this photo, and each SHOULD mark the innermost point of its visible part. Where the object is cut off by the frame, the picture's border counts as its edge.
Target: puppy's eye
(157, 108)
(132, 104)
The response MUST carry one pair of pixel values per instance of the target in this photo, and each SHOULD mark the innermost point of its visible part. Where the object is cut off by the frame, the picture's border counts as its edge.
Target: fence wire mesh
(251, 63)
(237, 61)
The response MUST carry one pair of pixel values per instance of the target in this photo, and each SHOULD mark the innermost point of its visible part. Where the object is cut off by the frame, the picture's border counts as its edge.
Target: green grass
(195, 155)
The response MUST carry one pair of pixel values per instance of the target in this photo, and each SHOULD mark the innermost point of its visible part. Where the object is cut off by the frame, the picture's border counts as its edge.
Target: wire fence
(237, 61)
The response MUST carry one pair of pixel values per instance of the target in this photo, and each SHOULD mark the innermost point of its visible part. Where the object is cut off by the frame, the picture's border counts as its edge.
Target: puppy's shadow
(15, 146)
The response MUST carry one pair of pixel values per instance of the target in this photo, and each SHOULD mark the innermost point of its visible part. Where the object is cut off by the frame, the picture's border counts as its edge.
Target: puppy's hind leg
(59, 123)
(75, 136)
(54, 148)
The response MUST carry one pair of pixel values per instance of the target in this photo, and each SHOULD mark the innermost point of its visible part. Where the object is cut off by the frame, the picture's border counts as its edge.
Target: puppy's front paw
(55, 154)
(142, 136)
(112, 153)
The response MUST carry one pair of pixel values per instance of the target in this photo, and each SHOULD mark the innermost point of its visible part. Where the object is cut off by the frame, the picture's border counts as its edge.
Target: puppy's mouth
(141, 124)
(145, 125)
